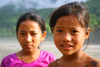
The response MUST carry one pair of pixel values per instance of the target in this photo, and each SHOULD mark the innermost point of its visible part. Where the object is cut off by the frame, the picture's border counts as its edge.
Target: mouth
(66, 46)
(28, 46)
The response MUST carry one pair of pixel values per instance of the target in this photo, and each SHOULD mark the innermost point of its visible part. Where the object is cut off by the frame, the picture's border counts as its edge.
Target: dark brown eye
(74, 31)
(33, 33)
(59, 30)
(22, 33)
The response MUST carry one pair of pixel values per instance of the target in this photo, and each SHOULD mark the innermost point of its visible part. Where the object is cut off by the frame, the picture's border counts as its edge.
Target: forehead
(29, 25)
(29, 22)
(68, 20)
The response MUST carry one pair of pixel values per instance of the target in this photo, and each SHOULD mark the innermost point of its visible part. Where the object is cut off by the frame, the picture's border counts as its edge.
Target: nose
(28, 38)
(66, 37)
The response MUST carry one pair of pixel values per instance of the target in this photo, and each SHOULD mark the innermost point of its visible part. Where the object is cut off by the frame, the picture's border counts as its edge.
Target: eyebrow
(21, 31)
(69, 28)
(25, 31)
(59, 27)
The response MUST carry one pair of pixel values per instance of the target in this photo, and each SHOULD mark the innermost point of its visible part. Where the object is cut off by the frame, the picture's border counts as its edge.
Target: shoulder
(8, 59)
(53, 64)
(47, 54)
(94, 63)
(9, 56)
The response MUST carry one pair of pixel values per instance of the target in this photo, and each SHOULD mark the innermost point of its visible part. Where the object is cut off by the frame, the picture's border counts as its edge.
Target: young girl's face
(69, 35)
(30, 35)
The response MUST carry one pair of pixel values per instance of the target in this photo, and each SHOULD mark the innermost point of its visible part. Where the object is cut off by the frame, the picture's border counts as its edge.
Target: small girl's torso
(92, 63)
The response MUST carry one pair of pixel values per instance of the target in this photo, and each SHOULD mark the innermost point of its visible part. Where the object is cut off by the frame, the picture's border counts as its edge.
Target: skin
(69, 37)
(29, 36)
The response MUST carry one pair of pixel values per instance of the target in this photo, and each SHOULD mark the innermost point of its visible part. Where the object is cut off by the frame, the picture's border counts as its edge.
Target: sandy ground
(9, 47)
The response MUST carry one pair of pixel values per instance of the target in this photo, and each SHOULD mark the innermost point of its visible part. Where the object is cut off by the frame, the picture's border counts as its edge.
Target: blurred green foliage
(9, 16)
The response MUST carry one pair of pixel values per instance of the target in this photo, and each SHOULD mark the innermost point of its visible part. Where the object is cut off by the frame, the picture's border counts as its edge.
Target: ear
(87, 33)
(43, 36)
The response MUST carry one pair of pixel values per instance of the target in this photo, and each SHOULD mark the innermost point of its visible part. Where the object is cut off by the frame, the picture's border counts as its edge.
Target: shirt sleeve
(93, 63)
(52, 58)
(52, 64)
(3, 63)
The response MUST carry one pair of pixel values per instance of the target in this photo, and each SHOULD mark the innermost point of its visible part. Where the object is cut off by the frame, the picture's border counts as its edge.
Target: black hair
(73, 8)
(34, 17)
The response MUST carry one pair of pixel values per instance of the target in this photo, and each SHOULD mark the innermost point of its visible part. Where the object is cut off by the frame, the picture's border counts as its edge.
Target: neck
(76, 56)
(28, 56)
(30, 53)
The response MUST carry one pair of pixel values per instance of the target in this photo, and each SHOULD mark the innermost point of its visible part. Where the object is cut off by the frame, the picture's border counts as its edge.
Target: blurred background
(11, 10)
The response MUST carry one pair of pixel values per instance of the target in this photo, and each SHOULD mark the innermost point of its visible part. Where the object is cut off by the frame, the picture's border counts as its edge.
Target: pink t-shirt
(12, 60)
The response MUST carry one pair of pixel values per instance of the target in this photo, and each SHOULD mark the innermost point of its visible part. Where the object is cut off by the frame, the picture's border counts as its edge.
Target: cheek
(37, 38)
(20, 39)
(57, 39)
(79, 40)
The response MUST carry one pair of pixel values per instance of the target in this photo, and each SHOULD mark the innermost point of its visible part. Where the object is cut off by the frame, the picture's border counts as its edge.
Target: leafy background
(9, 16)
